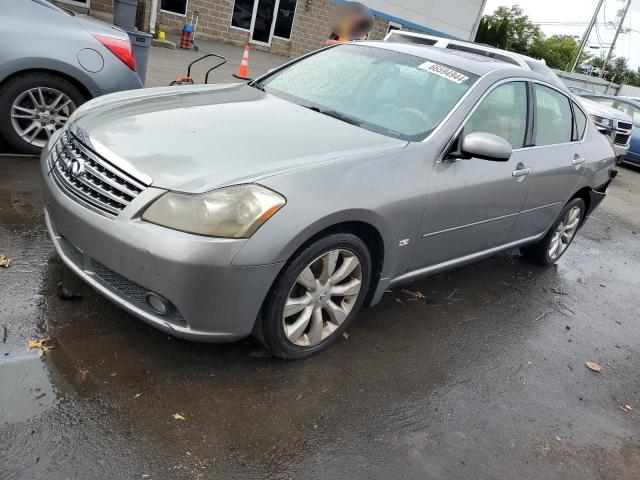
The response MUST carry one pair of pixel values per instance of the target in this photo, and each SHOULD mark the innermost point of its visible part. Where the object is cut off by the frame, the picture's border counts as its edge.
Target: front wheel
(556, 242)
(316, 296)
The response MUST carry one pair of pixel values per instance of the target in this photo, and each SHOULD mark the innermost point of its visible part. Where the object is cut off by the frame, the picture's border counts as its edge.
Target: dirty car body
(377, 162)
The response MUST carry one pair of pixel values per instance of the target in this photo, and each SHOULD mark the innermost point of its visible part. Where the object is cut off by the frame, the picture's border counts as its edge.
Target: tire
(14, 93)
(572, 215)
(326, 307)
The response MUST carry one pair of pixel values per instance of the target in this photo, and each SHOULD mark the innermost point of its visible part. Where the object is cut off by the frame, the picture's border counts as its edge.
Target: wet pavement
(483, 378)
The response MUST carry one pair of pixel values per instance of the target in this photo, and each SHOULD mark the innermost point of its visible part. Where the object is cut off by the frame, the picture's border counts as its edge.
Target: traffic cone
(243, 69)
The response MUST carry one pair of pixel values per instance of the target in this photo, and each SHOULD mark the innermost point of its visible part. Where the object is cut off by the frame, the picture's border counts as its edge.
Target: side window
(581, 123)
(503, 112)
(554, 120)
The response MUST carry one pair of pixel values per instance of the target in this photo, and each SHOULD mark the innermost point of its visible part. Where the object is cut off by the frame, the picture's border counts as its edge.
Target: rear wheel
(316, 296)
(33, 106)
(556, 242)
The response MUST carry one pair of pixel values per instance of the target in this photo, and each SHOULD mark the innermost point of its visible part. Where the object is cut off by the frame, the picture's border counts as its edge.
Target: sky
(572, 11)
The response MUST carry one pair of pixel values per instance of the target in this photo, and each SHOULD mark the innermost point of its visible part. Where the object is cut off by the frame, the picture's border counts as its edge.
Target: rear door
(473, 205)
(556, 158)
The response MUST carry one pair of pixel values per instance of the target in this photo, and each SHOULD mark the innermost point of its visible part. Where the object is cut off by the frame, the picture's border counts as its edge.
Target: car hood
(602, 110)
(195, 139)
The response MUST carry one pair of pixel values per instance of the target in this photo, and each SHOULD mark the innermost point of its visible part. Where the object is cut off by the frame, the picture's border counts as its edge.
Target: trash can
(124, 13)
(140, 41)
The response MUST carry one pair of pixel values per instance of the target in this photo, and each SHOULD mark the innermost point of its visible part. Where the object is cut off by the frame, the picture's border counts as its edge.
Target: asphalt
(476, 373)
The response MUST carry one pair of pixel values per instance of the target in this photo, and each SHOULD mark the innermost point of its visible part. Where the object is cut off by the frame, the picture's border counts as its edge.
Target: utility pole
(587, 34)
(615, 39)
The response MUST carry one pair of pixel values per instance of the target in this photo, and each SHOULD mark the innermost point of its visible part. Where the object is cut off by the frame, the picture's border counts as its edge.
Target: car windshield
(385, 91)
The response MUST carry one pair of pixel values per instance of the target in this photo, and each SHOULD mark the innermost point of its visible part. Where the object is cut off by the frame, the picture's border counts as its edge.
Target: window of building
(504, 113)
(284, 19)
(178, 7)
(242, 14)
(554, 120)
(394, 26)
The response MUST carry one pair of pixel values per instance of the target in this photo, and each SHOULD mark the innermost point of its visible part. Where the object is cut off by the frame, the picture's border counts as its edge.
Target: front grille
(621, 139)
(90, 179)
(625, 126)
(135, 293)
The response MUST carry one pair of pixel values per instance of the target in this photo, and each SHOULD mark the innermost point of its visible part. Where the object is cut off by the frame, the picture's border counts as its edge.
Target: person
(353, 21)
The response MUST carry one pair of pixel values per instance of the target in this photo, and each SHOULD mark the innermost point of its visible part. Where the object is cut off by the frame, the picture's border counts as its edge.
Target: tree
(509, 29)
(559, 51)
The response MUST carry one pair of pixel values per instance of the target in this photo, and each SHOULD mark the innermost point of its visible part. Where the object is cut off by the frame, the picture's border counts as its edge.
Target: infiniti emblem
(76, 167)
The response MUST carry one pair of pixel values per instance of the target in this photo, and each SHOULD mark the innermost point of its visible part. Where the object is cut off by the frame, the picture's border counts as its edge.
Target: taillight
(120, 48)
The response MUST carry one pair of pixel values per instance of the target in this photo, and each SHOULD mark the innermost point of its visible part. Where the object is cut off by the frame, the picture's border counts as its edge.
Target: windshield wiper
(335, 114)
(257, 85)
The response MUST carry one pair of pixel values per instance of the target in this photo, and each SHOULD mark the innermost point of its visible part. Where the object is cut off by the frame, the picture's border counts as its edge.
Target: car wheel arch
(79, 84)
(368, 226)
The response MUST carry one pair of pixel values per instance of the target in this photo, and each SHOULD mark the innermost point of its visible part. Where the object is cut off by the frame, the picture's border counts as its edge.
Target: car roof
(635, 101)
(469, 62)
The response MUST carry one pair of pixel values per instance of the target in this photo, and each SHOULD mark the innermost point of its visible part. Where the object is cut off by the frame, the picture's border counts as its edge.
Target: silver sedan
(280, 207)
(51, 61)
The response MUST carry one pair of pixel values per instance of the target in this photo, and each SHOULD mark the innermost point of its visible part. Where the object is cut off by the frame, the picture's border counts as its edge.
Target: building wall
(311, 24)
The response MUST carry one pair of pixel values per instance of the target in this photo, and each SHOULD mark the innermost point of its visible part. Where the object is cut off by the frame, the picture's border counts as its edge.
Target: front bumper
(621, 150)
(125, 259)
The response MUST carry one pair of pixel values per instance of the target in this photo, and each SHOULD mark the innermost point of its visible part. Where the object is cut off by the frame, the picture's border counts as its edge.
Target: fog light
(158, 304)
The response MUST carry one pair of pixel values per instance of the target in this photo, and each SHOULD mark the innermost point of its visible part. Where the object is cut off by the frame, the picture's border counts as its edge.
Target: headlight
(232, 212)
(602, 122)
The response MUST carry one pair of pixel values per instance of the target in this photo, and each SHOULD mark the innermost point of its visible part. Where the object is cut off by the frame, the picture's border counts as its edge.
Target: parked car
(631, 107)
(51, 61)
(282, 206)
(611, 122)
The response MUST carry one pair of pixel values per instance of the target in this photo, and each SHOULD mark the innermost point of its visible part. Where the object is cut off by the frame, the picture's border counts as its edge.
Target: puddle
(25, 388)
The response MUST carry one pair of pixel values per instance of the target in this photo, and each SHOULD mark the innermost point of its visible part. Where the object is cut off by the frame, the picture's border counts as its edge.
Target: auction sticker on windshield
(444, 72)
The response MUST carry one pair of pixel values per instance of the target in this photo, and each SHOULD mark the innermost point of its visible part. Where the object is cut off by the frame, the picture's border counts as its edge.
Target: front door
(263, 21)
(473, 205)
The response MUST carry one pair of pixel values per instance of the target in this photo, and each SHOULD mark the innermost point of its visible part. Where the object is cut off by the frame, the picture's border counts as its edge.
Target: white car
(613, 123)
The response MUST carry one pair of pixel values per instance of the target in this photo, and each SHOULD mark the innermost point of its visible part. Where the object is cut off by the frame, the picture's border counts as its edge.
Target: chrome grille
(89, 178)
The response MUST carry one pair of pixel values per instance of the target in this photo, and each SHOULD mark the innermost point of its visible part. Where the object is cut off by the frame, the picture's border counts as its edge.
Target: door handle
(523, 172)
(578, 160)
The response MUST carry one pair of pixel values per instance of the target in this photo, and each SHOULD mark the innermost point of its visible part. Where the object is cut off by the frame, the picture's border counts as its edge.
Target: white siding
(629, 91)
(453, 17)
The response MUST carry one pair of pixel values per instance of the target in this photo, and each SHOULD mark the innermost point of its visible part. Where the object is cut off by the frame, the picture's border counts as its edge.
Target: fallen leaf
(5, 261)
(82, 374)
(345, 335)
(40, 345)
(113, 374)
(179, 416)
(626, 408)
(593, 366)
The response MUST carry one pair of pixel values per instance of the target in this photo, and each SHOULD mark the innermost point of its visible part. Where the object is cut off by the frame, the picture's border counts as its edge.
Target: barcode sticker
(444, 72)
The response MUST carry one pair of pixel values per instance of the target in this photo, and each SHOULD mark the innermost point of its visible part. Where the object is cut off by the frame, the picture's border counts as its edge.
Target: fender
(19, 65)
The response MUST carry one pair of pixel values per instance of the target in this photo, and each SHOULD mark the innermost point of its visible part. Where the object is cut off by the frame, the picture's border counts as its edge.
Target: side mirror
(486, 146)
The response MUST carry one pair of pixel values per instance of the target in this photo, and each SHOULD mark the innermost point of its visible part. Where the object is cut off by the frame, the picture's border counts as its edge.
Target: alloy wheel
(565, 231)
(38, 112)
(322, 297)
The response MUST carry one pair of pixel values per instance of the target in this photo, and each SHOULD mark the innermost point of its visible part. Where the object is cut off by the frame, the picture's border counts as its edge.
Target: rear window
(402, 38)
(483, 53)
